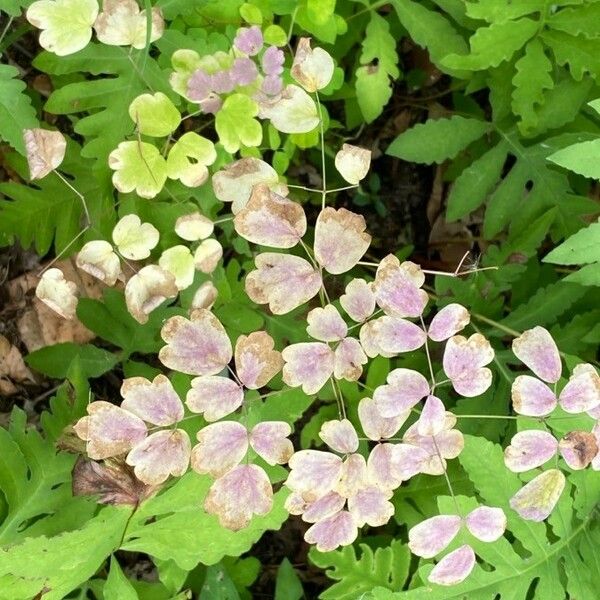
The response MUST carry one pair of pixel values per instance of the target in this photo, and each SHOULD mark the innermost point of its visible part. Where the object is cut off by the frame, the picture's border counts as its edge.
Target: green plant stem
(322, 133)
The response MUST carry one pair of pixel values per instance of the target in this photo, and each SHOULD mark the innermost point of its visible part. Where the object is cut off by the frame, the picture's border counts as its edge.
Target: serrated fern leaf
(536, 560)
(373, 81)
(581, 55)
(530, 81)
(545, 306)
(48, 211)
(16, 112)
(437, 140)
(357, 574)
(490, 46)
(106, 99)
(57, 565)
(34, 478)
(173, 526)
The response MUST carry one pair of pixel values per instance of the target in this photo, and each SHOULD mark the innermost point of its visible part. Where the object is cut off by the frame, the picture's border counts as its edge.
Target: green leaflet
(492, 45)
(56, 360)
(373, 85)
(530, 81)
(357, 574)
(107, 98)
(180, 530)
(16, 112)
(582, 158)
(437, 140)
(288, 585)
(514, 567)
(581, 248)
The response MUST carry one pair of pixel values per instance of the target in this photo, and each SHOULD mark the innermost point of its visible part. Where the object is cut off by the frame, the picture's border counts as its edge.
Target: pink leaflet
(353, 476)
(213, 396)
(196, 346)
(272, 61)
(109, 430)
(313, 473)
(221, 446)
(199, 85)
(464, 361)
(531, 397)
(238, 495)
(161, 454)
(370, 338)
(340, 239)
(339, 436)
(222, 82)
(374, 425)
(448, 321)
(537, 499)
(433, 417)
(582, 392)
(249, 40)
(433, 535)
(454, 567)
(396, 335)
(256, 361)
(308, 364)
(269, 440)
(348, 360)
(282, 281)
(338, 530)
(243, 71)
(155, 402)
(323, 508)
(295, 504)
(359, 300)
(271, 220)
(529, 449)
(326, 324)
(537, 350)
(578, 449)
(272, 85)
(382, 467)
(449, 443)
(486, 523)
(397, 288)
(404, 389)
(370, 506)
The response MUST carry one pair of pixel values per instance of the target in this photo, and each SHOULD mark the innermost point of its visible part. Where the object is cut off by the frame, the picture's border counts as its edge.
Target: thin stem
(448, 483)
(376, 313)
(337, 400)
(57, 257)
(223, 220)
(341, 189)
(366, 387)
(497, 325)
(6, 28)
(306, 189)
(367, 264)
(322, 132)
(433, 384)
(79, 195)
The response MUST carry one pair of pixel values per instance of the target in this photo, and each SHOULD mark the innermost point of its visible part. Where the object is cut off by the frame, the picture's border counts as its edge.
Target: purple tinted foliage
(244, 71)
(199, 85)
(272, 61)
(272, 85)
(222, 82)
(249, 40)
